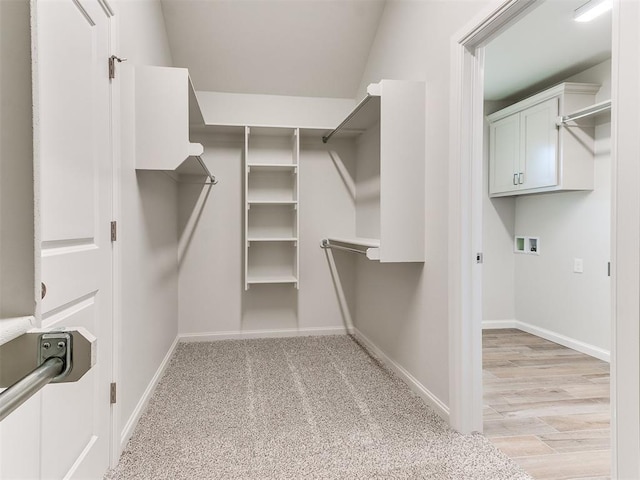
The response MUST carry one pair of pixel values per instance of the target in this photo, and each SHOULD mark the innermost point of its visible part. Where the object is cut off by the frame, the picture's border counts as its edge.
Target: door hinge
(112, 65)
(112, 393)
(114, 231)
(479, 257)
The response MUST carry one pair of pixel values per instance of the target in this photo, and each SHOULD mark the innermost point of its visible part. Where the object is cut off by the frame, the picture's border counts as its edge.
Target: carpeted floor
(297, 408)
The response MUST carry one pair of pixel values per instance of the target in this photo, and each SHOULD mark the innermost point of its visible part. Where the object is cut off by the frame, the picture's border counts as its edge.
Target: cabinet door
(539, 145)
(504, 154)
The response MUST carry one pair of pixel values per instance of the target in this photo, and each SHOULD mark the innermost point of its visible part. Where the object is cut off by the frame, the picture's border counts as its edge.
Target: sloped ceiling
(543, 48)
(314, 48)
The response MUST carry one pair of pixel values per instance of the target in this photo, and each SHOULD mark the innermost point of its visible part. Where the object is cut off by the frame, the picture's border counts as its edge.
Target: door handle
(515, 179)
(43, 289)
(521, 178)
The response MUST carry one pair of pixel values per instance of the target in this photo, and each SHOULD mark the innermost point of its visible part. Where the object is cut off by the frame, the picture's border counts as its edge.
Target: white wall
(148, 232)
(498, 227)
(272, 110)
(16, 163)
(213, 303)
(548, 294)
(403, 309)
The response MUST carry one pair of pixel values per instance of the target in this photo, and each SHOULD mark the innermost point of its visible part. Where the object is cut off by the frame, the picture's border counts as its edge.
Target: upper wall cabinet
(532, 151)
(390, 173)
(165, 105)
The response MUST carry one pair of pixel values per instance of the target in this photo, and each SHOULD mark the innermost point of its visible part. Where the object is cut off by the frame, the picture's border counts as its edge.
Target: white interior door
(72, 140)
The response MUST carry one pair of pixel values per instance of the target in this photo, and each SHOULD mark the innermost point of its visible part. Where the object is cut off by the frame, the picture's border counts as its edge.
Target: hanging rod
(364, 101)
(212, 178)
(367, 247)
(585, 112)
(326, 244)
(23, 389)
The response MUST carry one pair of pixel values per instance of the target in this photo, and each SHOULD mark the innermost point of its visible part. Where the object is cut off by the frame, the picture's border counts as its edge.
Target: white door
(539, 144)
(504, 143)
(72, 139)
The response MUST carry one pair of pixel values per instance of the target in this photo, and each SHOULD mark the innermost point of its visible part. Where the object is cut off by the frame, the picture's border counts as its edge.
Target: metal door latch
(112, 65)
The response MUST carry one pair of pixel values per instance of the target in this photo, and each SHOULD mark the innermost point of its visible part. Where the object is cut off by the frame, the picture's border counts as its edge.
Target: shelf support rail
(586, 112)
(364, 101)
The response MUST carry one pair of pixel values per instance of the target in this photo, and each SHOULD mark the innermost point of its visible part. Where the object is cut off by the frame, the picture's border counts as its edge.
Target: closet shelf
(272, 202)
(370, 247)
(363, 116)
(591, 110)
(271, 167)
(260, 279)
(272, 239)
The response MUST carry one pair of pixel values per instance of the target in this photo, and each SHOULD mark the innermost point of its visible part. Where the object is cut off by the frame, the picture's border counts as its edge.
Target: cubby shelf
(271, 202)
(272, 239)
(257, 280)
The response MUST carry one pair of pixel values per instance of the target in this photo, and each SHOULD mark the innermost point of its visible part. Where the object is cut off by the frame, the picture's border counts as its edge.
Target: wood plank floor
(546, 406)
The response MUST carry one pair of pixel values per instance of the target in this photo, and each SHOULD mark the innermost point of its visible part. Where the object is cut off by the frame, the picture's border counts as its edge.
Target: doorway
(466, 224)
(546, 242)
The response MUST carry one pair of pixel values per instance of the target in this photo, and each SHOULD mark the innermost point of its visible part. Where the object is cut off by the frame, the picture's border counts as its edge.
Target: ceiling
(543, 48)
(315, 48)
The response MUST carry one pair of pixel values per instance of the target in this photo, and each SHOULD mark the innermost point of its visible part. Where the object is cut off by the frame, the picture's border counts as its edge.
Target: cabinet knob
(43, 289)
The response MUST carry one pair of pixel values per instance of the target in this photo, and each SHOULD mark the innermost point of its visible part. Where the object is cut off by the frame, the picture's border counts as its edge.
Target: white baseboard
(498, 324)
(248, 334)
(130, 426)
(429, 398)
(569, 342)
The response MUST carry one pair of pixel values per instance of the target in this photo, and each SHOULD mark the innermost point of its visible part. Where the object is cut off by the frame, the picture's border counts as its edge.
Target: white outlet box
(578, 266)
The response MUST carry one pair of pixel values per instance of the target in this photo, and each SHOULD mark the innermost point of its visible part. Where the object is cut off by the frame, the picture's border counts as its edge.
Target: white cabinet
(271, 205)
(531, 151)
(390, 173)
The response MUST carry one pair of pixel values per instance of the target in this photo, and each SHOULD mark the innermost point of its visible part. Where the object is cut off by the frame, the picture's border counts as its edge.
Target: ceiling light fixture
(591, 10)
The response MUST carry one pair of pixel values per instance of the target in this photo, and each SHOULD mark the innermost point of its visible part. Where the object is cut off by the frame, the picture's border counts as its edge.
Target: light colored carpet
(312, 407)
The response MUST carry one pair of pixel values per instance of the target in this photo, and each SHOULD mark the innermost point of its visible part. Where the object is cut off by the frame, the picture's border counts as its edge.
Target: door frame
(465, 224)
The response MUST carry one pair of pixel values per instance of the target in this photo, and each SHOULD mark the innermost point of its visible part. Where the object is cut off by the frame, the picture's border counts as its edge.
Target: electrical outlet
(578, 266)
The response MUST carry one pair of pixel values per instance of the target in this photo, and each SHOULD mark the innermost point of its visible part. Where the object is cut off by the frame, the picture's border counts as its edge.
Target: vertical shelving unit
(271, 157)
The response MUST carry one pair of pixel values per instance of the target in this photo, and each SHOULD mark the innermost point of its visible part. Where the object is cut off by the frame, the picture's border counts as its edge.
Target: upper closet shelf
(165, 104)
(590, 111)
(363, 116)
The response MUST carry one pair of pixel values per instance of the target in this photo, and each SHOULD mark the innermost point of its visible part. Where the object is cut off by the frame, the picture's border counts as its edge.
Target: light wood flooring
(546, 406)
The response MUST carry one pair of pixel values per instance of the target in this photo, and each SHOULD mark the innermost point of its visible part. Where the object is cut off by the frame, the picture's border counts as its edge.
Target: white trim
(552, 336)
(499, 324)
(625, 240)
(465, 213)
(81, 458)
(130, 426)
(115, 444)
(429, 398)
(247, 334)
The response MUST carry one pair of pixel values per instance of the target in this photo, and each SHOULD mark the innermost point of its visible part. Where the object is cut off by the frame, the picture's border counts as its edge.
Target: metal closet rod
(600, 107)
(25, 388)
(212, 178)
(364, 101)
(327, 244)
